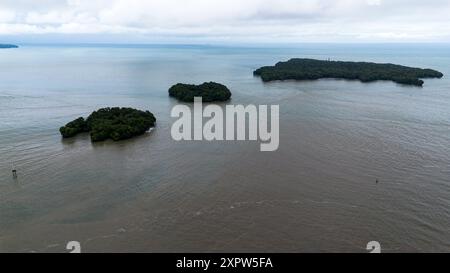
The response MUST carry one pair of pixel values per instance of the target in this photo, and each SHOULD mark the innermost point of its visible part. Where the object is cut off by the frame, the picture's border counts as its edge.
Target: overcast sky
(225, 20)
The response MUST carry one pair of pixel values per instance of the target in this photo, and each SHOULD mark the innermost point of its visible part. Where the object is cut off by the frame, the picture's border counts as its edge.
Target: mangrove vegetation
(310, 69)
(209, 91)
(111, 123)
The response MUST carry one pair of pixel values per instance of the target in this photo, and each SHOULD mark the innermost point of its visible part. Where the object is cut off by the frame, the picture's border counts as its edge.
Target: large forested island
(8, 46)
(209, 91)
(310, 69)
(111, 123)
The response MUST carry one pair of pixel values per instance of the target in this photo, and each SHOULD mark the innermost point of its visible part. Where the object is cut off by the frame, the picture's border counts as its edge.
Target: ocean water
(317, 193)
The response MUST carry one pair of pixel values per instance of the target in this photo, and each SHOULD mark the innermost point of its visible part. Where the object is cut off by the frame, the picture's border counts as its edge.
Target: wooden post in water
(14, 172)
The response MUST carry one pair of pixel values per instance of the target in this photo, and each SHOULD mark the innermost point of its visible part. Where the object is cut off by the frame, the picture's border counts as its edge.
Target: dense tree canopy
(209, 91)
(309, 69)
(111, 123)
(74, 127)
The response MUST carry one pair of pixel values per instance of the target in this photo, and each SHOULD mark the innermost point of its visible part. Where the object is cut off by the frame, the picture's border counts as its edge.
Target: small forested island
(209, 91)
(310, 69)
(8, 46)
(111, 123)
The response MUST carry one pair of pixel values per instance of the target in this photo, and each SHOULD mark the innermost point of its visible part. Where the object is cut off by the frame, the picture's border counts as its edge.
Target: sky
(233, 21)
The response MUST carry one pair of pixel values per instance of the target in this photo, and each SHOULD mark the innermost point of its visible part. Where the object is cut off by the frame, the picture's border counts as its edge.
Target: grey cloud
(290, 20)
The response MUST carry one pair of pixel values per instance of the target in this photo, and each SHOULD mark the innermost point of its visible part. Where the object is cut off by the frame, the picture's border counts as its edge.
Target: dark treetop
(209, 91)
(8, 46)
(309, 69)
(114, 123)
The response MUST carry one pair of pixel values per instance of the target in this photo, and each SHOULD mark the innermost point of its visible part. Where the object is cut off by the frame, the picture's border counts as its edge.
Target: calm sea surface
(152, 194)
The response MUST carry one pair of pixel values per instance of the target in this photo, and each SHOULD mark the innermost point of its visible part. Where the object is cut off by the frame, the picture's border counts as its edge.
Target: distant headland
(8, 46)
(310, 69)
(209, 91)
(111, 123)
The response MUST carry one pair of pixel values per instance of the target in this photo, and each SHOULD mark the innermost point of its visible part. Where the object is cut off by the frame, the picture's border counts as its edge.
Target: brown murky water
(317, 193)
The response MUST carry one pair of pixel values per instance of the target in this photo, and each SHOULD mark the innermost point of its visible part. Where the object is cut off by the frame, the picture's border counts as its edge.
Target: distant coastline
(8, 46)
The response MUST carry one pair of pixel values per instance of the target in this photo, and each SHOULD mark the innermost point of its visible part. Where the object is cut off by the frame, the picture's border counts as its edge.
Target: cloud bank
(231, 20)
